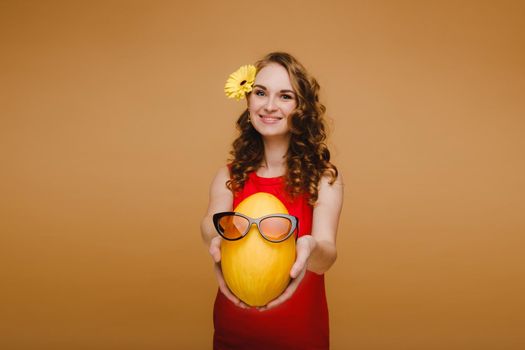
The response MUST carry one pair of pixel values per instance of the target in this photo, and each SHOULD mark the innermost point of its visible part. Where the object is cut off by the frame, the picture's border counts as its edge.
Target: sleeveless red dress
(301, 322)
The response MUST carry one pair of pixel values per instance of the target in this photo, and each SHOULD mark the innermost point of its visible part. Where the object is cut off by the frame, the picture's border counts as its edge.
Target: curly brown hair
(308, 157)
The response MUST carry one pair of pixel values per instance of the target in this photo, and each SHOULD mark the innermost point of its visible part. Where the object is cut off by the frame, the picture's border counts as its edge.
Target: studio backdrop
(114, 122)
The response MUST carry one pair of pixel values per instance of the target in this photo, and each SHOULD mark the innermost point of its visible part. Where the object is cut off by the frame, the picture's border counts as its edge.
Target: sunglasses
(274, 227)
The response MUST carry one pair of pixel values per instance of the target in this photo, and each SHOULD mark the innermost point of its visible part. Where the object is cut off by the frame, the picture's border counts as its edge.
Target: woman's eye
(259, 92)
(287, 97)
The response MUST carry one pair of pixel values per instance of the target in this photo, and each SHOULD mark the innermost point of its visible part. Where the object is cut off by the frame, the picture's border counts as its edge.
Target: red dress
(299, 323)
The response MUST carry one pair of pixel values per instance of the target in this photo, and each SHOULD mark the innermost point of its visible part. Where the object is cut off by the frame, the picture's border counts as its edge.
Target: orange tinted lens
(275, 228)
(233, 226)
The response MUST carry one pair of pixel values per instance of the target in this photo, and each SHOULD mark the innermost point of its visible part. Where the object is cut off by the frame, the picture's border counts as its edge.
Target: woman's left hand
(304, 247)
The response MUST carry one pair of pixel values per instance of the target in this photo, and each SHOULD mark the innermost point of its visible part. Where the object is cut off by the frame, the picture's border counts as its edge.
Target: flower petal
(240, 82)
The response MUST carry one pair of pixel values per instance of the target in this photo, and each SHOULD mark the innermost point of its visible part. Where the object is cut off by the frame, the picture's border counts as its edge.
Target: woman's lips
(269, 119)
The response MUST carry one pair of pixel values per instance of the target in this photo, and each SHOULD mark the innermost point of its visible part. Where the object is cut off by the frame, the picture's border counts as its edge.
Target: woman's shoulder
(222, 176)
(223, 173)
(331, 193)
(331, 182)
(332, 177)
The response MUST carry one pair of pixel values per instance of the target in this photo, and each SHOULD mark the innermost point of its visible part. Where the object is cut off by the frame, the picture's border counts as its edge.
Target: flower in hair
(240, 82)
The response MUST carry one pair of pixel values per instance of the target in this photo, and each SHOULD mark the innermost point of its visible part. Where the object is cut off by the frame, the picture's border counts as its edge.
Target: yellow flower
(240, 82)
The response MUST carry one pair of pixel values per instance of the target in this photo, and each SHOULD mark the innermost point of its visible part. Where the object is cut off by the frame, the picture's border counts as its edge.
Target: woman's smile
(269, 119)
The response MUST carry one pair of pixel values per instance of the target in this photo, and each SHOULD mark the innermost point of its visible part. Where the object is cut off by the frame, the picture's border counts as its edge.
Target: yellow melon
(256, 270)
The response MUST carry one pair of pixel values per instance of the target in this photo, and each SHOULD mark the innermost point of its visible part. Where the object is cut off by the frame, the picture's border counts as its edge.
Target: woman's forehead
(274, 77)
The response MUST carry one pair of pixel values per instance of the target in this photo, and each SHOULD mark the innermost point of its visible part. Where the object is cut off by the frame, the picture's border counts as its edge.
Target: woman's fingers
(224, 288)
(215, 249)
(300, 263)
(287, 294)
(215, 252)
(222, 285)
(303, 250)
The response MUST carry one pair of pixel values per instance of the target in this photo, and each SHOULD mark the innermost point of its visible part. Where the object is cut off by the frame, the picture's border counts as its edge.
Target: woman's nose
(270, 105)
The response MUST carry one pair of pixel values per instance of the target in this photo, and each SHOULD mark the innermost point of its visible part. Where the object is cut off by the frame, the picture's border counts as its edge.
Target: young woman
(280, 150)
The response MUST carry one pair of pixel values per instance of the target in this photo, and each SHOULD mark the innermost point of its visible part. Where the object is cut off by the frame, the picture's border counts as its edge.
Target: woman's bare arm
(220, 199)
(325, 222)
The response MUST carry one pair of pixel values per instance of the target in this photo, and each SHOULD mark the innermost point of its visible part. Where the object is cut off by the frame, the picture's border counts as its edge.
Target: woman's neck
(274, 162)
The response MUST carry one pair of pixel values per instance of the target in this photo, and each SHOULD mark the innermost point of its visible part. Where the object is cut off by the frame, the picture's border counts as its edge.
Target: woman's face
(271, 101)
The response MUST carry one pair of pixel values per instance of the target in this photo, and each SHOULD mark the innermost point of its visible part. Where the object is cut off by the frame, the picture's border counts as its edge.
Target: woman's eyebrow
(264, 88)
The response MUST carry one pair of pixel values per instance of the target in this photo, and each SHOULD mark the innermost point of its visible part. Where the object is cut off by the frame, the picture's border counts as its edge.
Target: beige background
(113, 122)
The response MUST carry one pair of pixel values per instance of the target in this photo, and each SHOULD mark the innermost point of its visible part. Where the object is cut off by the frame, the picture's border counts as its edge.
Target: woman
(280, 150)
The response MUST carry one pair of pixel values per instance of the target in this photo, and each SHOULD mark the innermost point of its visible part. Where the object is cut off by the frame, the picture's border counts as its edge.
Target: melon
(256, 270)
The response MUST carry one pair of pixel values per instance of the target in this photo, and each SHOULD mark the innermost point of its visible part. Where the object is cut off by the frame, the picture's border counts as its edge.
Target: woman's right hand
(215, 252)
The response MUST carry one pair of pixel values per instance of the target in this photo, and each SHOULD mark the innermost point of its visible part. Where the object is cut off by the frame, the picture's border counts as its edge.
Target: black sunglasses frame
(293, 219)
